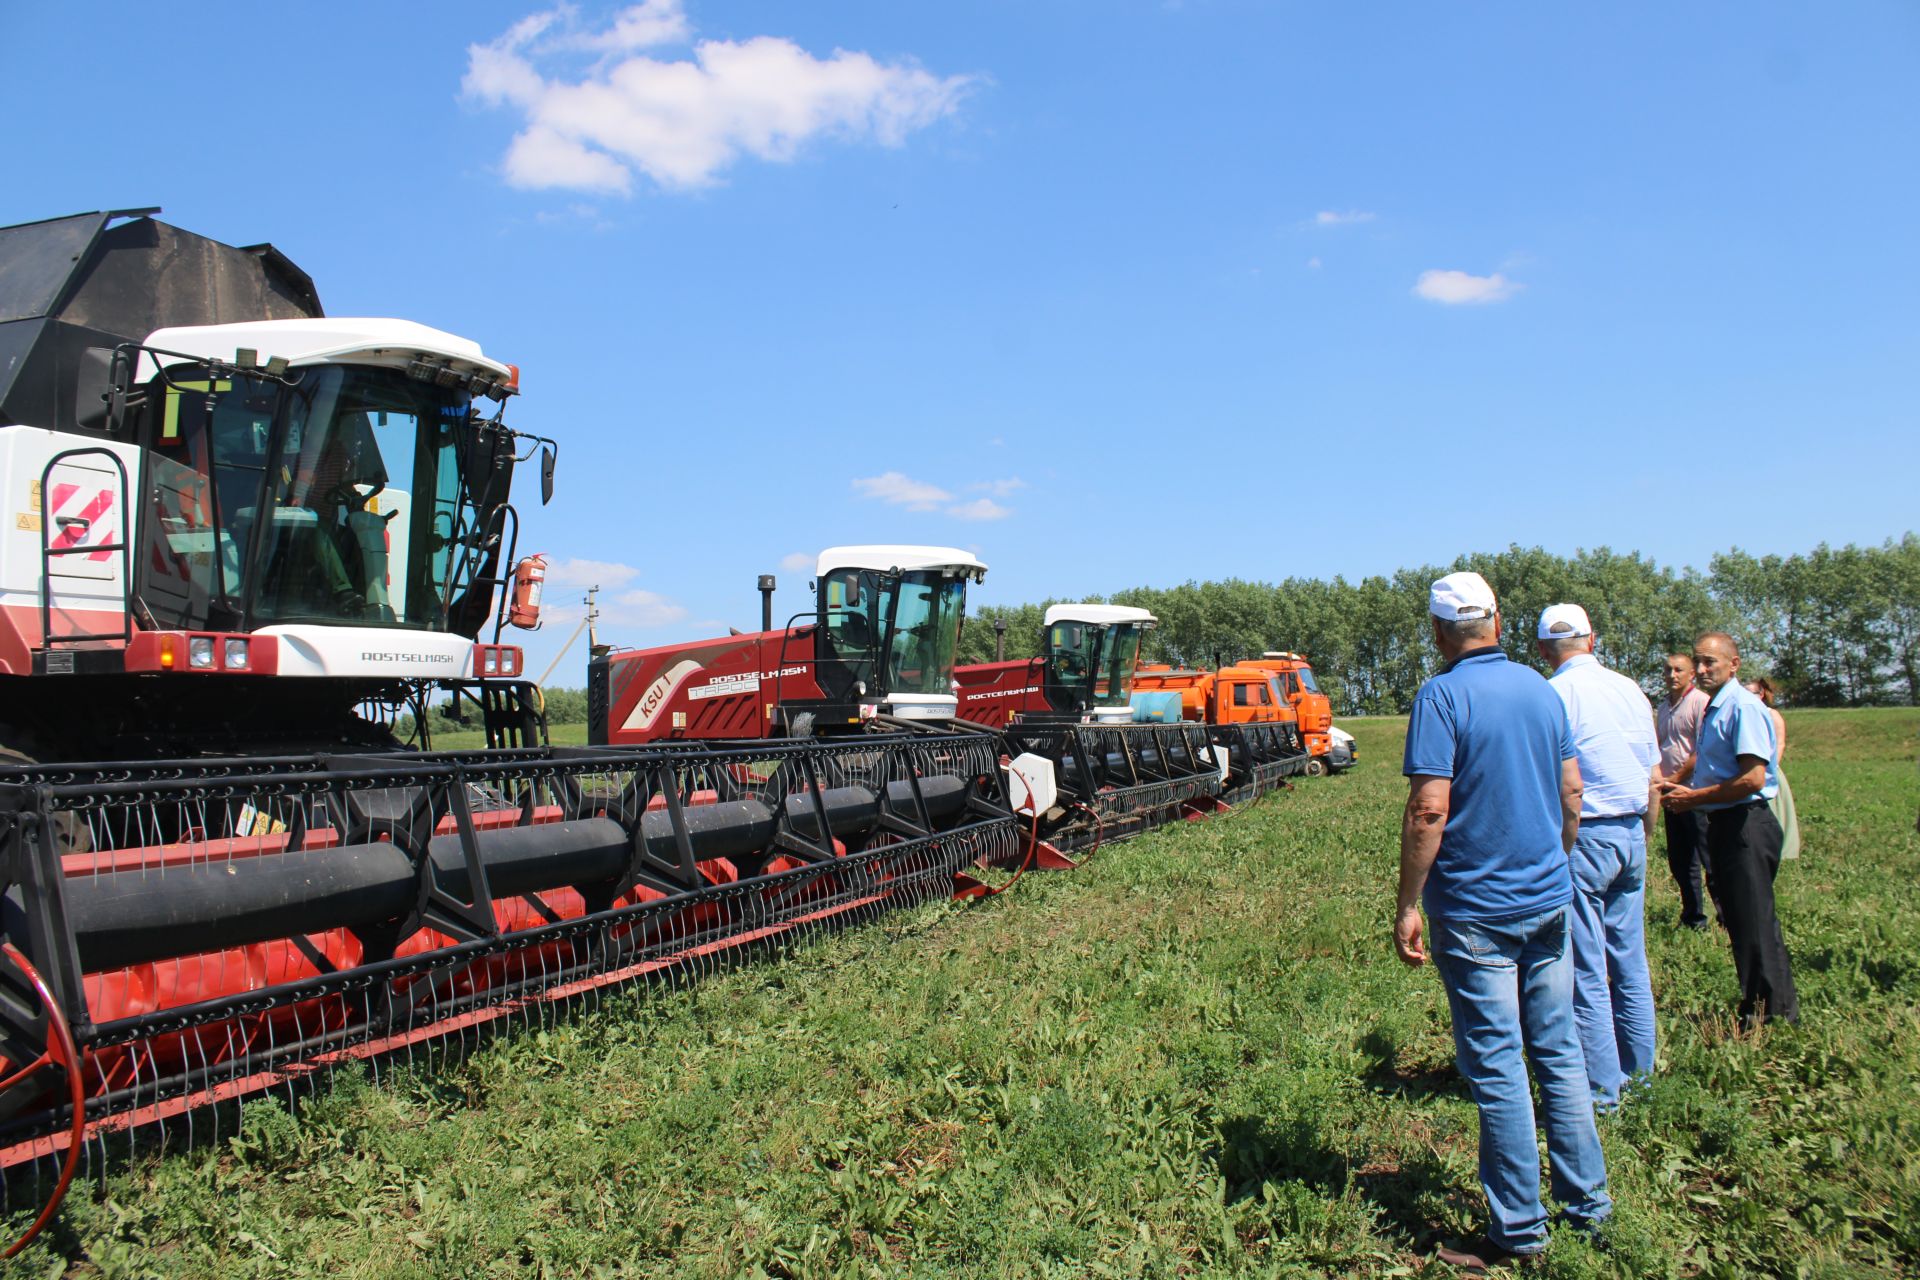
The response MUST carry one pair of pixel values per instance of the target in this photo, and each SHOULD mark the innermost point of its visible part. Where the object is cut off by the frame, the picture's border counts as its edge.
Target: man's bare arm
(1428, 802)
(1571, 789)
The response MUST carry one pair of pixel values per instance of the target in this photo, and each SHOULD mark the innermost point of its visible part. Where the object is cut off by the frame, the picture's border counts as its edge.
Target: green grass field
(1195, 1056)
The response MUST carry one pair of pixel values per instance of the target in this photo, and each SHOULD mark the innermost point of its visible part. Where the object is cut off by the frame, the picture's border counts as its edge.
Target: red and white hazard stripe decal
(78, 503)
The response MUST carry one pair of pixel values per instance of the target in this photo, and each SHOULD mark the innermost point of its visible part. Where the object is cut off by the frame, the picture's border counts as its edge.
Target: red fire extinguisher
(528, 576)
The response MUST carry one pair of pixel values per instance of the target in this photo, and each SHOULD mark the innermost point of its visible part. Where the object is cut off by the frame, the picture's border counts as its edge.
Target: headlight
(491, 663)
(200, 652)
(234, 655)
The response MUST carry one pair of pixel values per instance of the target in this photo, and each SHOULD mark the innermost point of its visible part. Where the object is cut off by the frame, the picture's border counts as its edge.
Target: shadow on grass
(1255, 1151)
(1885, 973)
(1414, 1084)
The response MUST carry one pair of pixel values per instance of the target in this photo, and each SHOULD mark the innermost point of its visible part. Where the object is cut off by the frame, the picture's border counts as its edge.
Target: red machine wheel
(59, 1051)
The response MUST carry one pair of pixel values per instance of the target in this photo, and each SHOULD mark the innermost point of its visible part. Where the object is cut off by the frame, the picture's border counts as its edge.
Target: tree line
(1832, 627)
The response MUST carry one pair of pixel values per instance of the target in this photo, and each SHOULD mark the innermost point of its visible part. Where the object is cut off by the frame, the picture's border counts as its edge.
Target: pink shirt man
(1678, 725)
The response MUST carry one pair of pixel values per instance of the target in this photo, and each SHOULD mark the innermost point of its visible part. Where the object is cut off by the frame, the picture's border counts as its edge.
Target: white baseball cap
(1461, 595)
(1563, 622)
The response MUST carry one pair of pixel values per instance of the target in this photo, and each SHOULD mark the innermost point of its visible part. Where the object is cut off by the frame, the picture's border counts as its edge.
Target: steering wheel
(347, 495)
(857, 634)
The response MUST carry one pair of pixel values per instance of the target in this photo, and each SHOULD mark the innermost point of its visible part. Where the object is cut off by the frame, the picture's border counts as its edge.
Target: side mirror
(546, 474)
(93, 390)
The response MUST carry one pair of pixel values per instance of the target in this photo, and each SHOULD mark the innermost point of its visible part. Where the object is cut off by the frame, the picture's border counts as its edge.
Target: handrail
(48, 551)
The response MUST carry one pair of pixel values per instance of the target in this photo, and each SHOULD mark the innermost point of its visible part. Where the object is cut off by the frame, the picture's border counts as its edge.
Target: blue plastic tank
(1161, 706)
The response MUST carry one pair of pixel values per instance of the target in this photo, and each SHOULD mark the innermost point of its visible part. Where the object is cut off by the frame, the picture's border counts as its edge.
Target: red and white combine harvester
(247, 547)
(876, 651)
(237, 524)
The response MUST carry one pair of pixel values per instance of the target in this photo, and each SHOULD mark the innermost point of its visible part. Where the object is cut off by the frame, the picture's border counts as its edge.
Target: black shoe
(1698, 926)
(1478, 1258)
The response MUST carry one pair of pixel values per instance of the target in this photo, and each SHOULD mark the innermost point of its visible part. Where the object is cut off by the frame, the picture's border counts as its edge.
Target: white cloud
(979, 509)
(1458, 288)
(641, 26)
(681, 122)
(567, 583)
(1333, 218)
(798, 562)
(605, 574)
(902, 491)
(633, 610)
(638, 608)
(1313, 264)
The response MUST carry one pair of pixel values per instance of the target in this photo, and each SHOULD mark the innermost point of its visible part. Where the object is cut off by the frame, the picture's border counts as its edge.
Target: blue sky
(1115, 294)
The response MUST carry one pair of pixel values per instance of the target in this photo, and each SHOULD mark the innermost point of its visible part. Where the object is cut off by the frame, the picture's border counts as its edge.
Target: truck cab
(879, 643)
(1315, 710)
(1085, 672)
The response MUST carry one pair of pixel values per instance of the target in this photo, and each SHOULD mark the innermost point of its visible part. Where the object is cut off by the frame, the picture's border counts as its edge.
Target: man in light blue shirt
(1736, 770)
(1614, 743)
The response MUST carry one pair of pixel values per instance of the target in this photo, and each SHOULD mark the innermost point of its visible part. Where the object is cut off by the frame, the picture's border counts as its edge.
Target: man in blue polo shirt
(1493, 805)
(1736, 770)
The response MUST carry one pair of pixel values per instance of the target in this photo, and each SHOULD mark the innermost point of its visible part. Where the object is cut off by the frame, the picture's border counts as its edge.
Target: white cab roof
(340, 340)
(884, 556)
(1100, 615)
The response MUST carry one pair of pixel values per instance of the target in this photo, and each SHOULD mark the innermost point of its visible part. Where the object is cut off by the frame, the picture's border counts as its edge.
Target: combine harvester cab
(1070, 732)
(241, 526)
(1245, 717)
(274, 535)
(875, 652)
(1329, 750)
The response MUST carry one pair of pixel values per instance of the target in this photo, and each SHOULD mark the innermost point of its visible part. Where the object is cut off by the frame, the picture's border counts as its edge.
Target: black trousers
(1744, 845)
(1687, 859)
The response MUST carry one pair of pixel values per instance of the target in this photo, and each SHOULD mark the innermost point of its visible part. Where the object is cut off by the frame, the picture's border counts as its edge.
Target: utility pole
(586, 624)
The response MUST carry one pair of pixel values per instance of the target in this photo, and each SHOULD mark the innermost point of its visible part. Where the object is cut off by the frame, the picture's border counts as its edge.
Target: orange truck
(1239, 694)
(1246, 719)
(1328, 749)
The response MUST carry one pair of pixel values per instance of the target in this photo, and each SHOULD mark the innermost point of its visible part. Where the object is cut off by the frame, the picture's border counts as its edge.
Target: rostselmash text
(445, 659)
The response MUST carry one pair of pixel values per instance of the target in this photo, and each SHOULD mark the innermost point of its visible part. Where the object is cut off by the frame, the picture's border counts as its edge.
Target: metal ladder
(48, 551)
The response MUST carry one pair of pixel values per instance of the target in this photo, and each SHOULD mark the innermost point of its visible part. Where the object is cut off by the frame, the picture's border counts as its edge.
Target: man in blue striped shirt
(1613, 740)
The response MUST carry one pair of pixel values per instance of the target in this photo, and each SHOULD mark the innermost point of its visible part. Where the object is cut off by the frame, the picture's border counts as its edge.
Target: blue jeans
(1612, 996)
(1510, 984)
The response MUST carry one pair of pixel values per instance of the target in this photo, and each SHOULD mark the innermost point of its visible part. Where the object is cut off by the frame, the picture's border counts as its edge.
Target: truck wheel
(1317, 767)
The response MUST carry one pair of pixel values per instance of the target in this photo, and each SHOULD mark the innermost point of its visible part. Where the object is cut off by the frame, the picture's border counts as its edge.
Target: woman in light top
(1782, 803)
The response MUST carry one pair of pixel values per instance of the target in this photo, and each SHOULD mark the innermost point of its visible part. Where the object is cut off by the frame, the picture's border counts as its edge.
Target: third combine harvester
(1071, 704)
